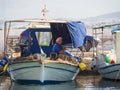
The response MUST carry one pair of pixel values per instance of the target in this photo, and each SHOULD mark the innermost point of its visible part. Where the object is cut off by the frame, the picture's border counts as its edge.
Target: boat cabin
(116, 41)
(42, 39)
(40, 36)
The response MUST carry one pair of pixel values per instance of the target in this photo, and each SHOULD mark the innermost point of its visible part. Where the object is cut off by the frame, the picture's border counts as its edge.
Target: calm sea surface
(87, 82)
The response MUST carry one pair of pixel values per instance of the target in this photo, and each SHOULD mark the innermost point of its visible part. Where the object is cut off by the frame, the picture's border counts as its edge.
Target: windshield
(44, 38)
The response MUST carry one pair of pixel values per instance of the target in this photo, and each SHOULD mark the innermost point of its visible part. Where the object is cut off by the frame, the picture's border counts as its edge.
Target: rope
(1, 73)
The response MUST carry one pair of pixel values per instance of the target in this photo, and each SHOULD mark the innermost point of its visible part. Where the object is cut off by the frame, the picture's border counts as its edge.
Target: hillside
(102, 19)
(107, 18)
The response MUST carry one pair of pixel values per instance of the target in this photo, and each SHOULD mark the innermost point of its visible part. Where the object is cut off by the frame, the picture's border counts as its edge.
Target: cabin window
(44, 38)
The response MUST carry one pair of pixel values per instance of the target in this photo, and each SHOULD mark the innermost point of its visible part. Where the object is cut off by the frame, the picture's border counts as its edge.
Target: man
(57, 47)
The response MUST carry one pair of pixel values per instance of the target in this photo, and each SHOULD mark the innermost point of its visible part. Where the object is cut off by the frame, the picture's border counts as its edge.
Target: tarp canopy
(29, 37)
(93, 41)
(71, 32)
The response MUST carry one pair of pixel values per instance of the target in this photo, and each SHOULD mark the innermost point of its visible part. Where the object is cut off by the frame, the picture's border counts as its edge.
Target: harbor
(91, 81)
(88, 79)
(54, 46)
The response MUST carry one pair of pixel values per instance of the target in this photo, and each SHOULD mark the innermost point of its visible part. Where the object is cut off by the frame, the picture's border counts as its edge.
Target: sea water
(87, 82)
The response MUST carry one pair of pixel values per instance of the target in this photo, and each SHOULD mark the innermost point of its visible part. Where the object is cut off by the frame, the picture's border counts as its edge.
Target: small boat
(107, 70)
(107, 63)
(29, 53)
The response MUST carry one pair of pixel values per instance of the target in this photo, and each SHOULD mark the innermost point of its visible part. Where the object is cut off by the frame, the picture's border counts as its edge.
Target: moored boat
(37, 40)
(108, 63)
(33, 72)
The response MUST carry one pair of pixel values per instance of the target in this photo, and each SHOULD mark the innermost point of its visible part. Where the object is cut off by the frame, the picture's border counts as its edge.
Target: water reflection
(97, 83)
(62, 86)
(84, 82)
(4, 83)
(111, 84)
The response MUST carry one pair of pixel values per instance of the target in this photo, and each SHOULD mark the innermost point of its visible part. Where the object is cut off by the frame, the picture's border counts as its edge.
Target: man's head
(59, 40)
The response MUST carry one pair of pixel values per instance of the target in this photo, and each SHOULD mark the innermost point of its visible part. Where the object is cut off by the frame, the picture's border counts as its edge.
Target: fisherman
(61, 51)
(58, 48)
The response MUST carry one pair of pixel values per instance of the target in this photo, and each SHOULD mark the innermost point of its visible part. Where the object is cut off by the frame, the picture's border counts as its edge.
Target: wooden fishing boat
(36, 39)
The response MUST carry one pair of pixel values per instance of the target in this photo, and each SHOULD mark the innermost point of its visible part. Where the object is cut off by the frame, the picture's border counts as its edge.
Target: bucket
(53, 56)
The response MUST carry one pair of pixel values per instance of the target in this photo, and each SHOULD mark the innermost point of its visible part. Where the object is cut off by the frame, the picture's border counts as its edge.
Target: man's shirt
(57, 48)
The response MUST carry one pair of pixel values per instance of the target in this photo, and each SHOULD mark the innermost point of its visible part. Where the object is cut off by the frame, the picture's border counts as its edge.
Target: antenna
(44, 11)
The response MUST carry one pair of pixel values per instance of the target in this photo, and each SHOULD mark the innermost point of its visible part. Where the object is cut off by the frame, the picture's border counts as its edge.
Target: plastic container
(82, 66)
(107, 59)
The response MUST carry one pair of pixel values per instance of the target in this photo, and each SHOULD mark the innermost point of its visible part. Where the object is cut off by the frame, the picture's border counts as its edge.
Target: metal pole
(102, 38)
(5, 28)
(6, 33)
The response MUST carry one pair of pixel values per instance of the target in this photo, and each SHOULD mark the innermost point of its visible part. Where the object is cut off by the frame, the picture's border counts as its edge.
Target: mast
(44, 11)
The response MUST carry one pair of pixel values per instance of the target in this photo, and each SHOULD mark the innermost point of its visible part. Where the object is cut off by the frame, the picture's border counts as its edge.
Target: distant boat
(108, 64)
(35, 40)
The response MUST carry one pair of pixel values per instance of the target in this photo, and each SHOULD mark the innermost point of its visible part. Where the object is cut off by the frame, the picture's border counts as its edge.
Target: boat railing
(103, 34)
(12, 46)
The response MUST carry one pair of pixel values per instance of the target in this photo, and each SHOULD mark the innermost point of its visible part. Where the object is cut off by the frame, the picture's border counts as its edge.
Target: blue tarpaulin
(77, 32)
(115, 30)
(93, 42)
(29, 37)
(60, 30)
(71, 32)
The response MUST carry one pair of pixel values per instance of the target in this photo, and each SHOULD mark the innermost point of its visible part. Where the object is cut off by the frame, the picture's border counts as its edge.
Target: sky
(66, 9)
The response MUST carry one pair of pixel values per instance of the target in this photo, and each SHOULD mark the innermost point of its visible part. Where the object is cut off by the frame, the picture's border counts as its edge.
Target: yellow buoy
(5, 67)
(82, 66)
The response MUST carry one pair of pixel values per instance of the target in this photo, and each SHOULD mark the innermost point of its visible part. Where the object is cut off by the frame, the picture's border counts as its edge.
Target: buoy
(82, 66)
(112, 61)
(107, 59)
(4, 63)
(5, 67)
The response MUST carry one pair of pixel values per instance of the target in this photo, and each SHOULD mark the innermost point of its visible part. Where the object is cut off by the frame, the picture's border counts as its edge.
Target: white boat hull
(110, 71)
(33, 72)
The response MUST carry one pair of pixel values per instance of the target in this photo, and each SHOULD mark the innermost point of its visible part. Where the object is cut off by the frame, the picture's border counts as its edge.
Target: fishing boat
(107, 63)
(29, 52)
